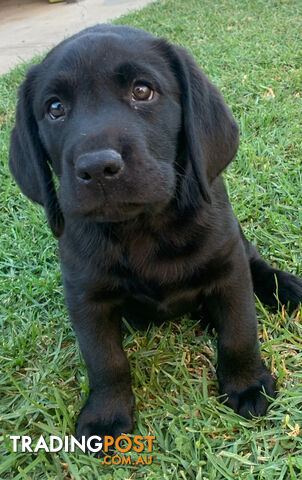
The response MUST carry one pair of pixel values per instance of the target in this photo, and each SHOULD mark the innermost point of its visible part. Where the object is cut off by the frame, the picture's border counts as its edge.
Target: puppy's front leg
(109, 408)
(241, 373)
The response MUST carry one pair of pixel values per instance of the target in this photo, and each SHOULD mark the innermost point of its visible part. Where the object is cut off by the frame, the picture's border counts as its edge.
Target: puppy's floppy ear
(28, 159)
(210, 134)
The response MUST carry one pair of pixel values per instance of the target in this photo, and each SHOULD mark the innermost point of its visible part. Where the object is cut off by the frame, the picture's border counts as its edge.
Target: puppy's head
(127, 122)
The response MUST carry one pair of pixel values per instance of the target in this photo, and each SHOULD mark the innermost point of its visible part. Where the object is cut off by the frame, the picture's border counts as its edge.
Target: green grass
(249, 49)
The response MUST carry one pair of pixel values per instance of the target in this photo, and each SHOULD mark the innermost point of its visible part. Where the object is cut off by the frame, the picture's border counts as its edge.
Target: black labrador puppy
(138, 138)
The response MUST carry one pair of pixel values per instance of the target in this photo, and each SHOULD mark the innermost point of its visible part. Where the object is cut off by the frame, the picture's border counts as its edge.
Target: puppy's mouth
(119, 212)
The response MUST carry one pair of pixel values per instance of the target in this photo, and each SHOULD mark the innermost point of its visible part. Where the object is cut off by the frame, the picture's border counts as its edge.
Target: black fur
(147, 231)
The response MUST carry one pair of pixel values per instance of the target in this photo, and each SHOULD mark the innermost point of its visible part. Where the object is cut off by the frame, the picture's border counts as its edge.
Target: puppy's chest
(156, 267)
(156, 291)
(165, 277)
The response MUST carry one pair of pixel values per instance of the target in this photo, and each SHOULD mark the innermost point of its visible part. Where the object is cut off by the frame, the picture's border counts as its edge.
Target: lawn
(250, 50)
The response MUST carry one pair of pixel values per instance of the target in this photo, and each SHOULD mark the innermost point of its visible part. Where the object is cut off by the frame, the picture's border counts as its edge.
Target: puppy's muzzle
(99, 167)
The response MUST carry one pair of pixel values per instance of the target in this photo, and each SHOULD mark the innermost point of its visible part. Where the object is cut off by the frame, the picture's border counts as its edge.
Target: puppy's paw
(105, 416)
(289, 289)
(249, 400)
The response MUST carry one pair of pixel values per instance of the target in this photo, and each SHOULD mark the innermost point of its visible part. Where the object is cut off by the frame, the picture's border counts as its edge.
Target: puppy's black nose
(97, 166)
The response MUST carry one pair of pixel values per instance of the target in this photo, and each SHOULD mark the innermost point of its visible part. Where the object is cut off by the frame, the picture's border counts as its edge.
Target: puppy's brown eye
(142, 92)
(56, 110)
